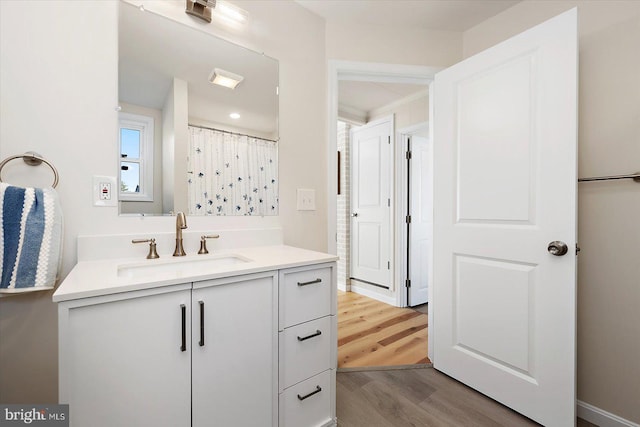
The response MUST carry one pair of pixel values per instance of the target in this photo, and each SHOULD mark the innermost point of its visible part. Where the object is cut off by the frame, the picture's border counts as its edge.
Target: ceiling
(447, 15)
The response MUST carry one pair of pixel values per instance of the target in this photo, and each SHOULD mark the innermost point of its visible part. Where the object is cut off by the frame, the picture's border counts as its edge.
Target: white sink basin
(179, 266)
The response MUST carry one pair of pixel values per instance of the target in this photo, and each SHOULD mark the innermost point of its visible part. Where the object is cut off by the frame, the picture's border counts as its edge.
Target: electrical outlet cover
(105, 191)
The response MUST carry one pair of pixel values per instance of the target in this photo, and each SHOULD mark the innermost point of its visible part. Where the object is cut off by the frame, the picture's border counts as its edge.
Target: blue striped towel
(30, 238)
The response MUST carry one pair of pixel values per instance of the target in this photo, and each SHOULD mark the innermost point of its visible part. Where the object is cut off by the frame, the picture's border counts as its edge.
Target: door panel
(370, 168)
(121, 353)
(501, 136)
(505, 186)
(236, 350)
(420, 228)
(482, 286)
(371, 239)
(369, 245)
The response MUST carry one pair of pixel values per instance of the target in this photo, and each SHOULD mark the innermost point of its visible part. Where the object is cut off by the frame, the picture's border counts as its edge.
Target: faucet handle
(203, 243)
(153, 254)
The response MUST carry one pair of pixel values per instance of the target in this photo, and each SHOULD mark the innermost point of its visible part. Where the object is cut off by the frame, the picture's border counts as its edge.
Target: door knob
(354, 214)
(557, 248)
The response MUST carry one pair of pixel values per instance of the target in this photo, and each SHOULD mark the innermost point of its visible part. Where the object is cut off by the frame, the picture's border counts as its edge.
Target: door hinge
(408, 155)
(408, 219)
(388, 203)
(407, 283)
(389, 139)
(577, 249)
(388, 265)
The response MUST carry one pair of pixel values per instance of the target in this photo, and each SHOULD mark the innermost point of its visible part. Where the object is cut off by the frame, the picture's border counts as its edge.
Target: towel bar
(634, 176)
(32, 159)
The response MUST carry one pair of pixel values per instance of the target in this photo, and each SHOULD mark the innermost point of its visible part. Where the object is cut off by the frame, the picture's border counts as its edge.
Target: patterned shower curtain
(231, 174)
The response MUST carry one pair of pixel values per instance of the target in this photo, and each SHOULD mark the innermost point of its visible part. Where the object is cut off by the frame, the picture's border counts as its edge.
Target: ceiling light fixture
(225, 78)
(234, 115)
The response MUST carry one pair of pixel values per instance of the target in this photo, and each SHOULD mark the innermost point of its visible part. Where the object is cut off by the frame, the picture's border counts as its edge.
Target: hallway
(372, 333)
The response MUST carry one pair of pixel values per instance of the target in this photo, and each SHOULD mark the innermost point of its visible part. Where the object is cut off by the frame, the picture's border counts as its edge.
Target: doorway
(393, 293)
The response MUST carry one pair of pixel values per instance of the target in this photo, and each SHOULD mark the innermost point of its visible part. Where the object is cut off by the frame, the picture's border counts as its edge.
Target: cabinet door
(235, 352)
(125, 365)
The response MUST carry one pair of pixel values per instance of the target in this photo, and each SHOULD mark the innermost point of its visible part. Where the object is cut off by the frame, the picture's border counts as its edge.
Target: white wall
(608, 213)
(180, 145)
(58, 77)
(409, 111)
(368, 43)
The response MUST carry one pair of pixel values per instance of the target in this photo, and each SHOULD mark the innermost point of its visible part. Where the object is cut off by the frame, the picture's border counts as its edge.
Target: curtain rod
(232, 133)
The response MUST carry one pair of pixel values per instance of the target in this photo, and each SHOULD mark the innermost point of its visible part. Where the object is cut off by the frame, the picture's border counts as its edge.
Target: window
(136, 157)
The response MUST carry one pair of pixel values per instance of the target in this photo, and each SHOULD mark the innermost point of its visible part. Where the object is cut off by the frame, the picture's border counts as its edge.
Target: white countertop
(95, 278)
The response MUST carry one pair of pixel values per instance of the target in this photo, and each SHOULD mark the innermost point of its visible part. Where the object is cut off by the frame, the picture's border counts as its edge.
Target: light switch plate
(105, 191)
(306, 199)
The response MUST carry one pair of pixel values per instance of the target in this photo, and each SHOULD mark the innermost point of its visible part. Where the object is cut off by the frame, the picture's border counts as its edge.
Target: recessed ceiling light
(225, 78)
(234, 115)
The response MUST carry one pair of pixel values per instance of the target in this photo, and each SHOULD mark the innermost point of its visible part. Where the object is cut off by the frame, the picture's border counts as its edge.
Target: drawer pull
(201, 343)
(318, 332)
(309, 283)
(306, 396)
(183, 312)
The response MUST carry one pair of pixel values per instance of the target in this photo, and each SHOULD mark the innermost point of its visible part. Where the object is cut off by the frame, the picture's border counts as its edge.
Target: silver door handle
(557, 248)
(354, 214)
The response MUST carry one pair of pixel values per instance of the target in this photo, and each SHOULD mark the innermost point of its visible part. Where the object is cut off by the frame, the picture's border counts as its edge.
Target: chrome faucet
(181, 223)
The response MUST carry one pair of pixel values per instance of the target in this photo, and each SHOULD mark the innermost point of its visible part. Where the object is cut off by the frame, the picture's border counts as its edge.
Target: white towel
(30, 238)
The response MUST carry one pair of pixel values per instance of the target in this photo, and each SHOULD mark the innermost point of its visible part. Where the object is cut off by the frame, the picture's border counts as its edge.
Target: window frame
(145, 125)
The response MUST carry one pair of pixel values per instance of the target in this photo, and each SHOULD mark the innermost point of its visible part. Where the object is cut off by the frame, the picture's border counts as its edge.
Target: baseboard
(387, 299)
(344, 287)
(600, 417)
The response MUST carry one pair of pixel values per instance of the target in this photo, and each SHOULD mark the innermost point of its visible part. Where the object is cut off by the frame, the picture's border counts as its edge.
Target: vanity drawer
(307, 403)
(304, 295)
(305, 350)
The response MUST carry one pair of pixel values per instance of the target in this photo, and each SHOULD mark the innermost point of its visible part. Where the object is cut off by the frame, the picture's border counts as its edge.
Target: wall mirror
(186, 144)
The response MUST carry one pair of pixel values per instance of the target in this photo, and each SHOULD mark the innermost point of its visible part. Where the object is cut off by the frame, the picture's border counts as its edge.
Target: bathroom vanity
(242, 338)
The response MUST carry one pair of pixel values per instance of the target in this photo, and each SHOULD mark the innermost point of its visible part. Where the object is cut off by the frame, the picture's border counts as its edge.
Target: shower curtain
(231, 174)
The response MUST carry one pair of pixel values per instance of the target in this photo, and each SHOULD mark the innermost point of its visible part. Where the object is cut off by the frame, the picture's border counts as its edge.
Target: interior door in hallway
(421, 224)
(371, 178)
(505, 139)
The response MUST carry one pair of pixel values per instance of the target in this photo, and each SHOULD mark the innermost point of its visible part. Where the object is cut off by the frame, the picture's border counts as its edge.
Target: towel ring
(32, 159)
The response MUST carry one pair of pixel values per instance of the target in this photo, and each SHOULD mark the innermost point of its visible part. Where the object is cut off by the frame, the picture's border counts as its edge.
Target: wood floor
(418, 397)
(371, 333)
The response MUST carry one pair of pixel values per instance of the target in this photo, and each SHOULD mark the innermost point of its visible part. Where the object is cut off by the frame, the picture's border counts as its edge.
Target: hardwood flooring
(371, 333)
(418, 397)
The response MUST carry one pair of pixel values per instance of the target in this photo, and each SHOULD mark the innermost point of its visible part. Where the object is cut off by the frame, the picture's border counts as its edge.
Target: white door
(371, 239)
(505, 187)
(421, 224)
